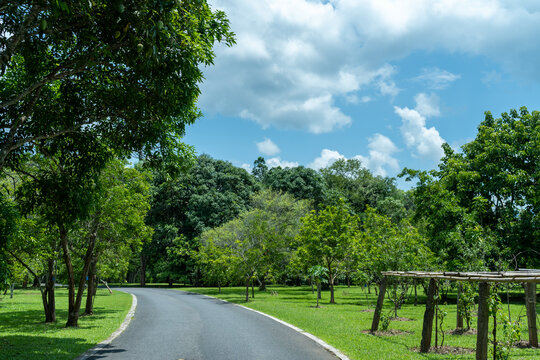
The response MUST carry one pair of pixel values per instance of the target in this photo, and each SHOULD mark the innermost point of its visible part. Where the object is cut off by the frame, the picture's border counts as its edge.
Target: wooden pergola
(529, 277)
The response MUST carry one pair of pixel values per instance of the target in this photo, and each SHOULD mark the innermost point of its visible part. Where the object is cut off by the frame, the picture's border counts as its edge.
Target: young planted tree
(319, 274)
(327, 238)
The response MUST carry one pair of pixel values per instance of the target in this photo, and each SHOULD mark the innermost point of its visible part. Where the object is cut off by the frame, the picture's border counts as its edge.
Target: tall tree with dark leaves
(211, 193)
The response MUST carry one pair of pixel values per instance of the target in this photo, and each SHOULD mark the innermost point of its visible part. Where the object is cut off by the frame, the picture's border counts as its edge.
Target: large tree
(492, 185)
(126, 71)
(211, 193)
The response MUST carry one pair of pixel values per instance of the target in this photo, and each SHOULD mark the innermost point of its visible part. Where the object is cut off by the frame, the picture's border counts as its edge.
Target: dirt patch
(316, 307)
(524, 344)
(401, 319)
(368, 310)
(462, 332)
(389, 332)
(448, 350)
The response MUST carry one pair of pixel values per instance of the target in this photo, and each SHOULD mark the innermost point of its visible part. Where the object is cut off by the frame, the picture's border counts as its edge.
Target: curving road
(171, 324)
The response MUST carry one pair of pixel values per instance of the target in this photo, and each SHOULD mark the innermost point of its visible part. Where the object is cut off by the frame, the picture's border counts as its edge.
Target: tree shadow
(16, 347)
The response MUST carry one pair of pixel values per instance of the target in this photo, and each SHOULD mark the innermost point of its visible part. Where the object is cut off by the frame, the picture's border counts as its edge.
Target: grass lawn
(342, 324)
(24, 335)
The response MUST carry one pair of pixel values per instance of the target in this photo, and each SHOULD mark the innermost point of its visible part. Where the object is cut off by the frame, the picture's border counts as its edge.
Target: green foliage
(483, 203)
(362, 189)
(210, 194)
(466, 302)
(301, 182)
(127, 73)
(258, 242)
(9, 230)
(384, 321)
(385, 245)
(511, 333)
(327, 238)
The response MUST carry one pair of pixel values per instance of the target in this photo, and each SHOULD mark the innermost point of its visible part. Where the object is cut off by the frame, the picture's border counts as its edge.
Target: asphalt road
(173, 325)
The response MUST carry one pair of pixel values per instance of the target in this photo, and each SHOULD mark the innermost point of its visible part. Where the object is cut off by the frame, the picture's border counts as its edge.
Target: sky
(383, 81)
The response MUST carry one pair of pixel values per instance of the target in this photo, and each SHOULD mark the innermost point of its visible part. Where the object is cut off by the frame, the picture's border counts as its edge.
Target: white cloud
(427, 105)
(380, 160)
(267, 147)
(246, 167)
(276, 161)
(437, 79)
(425, 141)
(327, 158)
(295, 59)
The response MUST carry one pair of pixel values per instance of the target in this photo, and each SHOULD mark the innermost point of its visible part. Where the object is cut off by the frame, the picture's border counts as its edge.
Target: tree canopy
(125, 71)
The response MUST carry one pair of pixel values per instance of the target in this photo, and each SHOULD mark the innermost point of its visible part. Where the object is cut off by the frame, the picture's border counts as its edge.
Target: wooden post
(427, 328)
(459, 320)
(483, 322)
(378, 309)
(530, 301)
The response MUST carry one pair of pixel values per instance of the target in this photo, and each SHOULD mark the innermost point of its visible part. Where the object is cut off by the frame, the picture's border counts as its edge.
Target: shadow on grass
(17, 347)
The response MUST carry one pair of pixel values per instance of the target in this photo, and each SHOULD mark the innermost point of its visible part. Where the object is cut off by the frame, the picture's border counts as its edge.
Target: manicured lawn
(24, 335)
(342, 325)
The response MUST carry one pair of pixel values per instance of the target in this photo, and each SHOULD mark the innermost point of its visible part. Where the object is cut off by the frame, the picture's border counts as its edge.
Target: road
(172, 324)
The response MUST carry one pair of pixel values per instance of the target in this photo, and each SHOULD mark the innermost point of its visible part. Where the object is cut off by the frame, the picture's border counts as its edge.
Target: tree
(61, 190)
(327, 238)
(211, 193)
(362, 189)
(301, 182)
(116, 224)
(493, 182)
(8, 230)
(258, 241)
(126, 72)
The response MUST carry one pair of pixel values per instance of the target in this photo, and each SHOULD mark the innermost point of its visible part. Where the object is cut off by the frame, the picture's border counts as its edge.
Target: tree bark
(483, 322)
(92, 286)
(378, 308)
(530, 292)
(319, 296)
(74, 300)
(247, 289)
(427, 328)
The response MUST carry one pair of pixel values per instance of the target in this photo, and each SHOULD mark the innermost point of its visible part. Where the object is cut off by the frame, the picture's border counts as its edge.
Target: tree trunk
(247, 289)
(311, 283)
(49, 301)
(25, 281)
(252, 289)
(415, 294)
(378, 308)
(319, 296)
(170, 281)
(92, 286)
(530, 292)
(427, 328)
(74, 300)
(331, 278)
(483, 322)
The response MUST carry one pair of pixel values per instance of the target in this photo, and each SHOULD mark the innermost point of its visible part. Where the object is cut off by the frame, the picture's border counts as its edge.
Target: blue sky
(383, 81)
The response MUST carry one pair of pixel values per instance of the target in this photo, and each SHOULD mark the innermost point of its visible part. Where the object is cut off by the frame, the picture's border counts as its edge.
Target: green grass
(24, 335)
(342, 324)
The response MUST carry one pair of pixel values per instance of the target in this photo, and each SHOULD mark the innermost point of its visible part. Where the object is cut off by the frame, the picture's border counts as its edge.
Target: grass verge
(24, 335)
(343, 324)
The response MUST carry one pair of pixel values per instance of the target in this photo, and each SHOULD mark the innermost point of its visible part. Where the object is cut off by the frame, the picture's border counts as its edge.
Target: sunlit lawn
(24, 335)
(342, 324)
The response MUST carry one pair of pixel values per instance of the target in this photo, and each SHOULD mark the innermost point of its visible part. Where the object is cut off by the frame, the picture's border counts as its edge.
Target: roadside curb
(322, 343)
(115, 334)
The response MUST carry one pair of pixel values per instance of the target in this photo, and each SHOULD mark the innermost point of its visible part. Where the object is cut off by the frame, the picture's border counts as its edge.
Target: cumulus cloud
(327, 158)
(295, 59)
(380, 159)
(278, 162)
(437, 79)
(267, 147)
(425, 141)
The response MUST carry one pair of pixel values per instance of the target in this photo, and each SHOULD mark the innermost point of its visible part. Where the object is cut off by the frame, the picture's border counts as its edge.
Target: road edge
(321, 342)
(93, 351)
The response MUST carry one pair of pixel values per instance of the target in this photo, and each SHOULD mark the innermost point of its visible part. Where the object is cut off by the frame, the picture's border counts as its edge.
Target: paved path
(172, 325)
